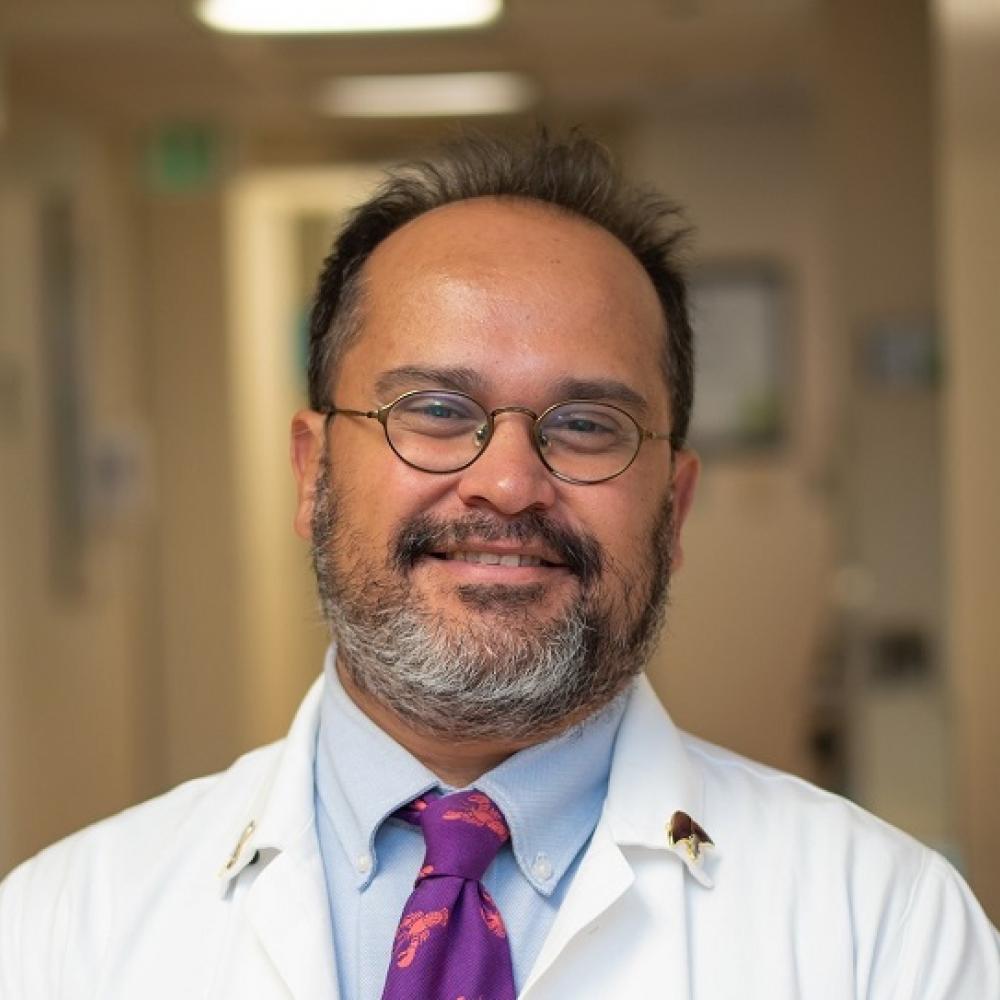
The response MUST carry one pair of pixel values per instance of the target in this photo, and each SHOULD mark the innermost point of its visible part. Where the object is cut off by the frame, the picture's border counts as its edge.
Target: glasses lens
(588, 441)
(436, 431)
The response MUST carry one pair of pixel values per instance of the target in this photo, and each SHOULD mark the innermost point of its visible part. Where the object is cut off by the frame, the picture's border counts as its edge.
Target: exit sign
(182, 158)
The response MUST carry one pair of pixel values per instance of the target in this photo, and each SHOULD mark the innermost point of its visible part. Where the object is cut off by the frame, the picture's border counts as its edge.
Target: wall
(968, 53)
(196, 563)
(879, 157)
(68, 743)
(750, 607)
(280, 634)
(118, 655)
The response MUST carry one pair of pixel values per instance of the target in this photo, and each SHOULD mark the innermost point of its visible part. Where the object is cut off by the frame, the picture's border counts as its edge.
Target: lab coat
(216, 890)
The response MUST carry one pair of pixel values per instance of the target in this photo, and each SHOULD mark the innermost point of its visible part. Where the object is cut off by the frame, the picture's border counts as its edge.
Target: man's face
(516, 305)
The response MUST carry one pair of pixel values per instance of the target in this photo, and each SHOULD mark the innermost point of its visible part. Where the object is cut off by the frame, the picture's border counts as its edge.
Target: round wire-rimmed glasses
(440, 431)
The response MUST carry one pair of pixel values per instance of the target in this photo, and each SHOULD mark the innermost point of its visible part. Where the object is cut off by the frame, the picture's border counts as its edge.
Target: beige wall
(751, 605)
(127, 685)
(281, 637)
(879, 152)
(196, 559)
(969, 219)
(67, 743)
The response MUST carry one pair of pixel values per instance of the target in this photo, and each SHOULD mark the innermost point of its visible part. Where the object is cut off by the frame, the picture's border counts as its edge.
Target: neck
(457, 763)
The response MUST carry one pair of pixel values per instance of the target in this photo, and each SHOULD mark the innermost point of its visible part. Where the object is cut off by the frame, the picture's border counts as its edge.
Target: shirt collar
(652, 779)
(551, 794)
(362, 775)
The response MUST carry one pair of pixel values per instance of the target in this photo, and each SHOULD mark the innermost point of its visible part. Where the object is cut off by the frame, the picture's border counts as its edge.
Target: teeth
(495, 559)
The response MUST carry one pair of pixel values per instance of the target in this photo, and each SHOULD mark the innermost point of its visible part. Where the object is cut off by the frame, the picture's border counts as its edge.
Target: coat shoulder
(818, 869)
(179, 819)
(768, 811)
(57, 909)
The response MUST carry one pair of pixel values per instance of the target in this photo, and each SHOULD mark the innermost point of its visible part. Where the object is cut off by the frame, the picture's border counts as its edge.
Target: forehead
(478, 281)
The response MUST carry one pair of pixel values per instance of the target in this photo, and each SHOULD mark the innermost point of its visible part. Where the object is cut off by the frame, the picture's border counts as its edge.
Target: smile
(495, 559)
(508, 567)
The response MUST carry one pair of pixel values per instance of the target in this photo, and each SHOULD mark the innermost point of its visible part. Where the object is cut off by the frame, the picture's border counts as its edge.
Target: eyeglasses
(579, 441)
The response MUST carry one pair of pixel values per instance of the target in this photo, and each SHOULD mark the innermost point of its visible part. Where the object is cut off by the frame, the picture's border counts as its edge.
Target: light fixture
(306, 16)
(427, 95)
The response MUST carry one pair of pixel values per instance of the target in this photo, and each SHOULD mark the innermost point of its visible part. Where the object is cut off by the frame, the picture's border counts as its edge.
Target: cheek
(609, 517)
(625, 526)
(380, 494)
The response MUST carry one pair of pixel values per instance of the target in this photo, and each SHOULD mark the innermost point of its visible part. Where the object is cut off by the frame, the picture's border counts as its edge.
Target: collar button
(541, 867)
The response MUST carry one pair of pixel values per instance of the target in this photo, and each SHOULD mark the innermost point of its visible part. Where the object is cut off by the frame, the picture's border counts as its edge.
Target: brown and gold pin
(682, 830)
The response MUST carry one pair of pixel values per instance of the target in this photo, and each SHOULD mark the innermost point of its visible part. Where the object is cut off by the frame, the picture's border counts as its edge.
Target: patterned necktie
(452, 943)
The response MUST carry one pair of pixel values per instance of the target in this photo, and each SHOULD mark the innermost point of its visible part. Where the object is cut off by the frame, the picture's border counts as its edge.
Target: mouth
(485, 564)
(480, 549)
(492, 558)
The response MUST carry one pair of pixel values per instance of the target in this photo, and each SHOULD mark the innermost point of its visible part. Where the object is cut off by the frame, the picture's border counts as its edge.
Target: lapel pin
(691, 843)
(238, 849)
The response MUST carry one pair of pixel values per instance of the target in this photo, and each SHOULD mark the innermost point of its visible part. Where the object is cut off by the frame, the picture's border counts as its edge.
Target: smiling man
(481, 797)
(506, 573)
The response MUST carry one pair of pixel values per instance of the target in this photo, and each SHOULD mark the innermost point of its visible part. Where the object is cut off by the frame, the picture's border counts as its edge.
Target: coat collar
(652, 780)
(655, 790)
(281, 811)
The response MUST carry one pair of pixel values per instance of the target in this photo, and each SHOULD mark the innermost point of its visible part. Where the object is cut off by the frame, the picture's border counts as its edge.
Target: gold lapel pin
(238, 849)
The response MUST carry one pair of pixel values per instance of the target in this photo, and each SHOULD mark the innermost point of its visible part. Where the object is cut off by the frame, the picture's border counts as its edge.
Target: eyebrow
(397, 380)
(608, 389)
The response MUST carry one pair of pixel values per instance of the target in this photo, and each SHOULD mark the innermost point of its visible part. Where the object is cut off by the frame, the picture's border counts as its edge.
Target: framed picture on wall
(740, 312)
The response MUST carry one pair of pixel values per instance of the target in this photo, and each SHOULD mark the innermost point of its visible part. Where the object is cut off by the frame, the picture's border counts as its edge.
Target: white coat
(216, 890)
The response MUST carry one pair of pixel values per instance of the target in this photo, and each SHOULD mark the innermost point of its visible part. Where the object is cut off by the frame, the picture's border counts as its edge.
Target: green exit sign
(182, 158)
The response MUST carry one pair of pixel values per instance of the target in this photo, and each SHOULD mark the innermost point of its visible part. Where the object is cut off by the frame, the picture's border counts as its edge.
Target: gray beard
(499, 673)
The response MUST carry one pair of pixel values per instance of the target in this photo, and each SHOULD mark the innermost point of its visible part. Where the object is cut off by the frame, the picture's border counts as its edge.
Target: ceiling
(149, 61)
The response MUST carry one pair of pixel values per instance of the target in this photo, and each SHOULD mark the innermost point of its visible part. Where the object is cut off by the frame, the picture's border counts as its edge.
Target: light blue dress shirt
(551, 795)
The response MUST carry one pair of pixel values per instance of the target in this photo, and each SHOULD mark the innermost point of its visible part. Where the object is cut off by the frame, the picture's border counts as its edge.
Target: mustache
(423, 534)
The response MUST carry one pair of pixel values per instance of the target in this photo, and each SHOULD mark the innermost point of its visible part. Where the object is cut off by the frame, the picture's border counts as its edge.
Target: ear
(687, 467)
(307, 445)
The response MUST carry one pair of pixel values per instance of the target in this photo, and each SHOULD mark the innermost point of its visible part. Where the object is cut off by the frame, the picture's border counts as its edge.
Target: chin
(502, 598)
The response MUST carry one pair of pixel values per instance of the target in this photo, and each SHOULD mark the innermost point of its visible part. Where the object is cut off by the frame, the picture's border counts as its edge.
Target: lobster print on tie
(451, 942)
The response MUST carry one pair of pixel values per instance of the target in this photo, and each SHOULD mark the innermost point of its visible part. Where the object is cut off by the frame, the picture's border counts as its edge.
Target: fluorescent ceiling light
(426, 95)
(304, 16)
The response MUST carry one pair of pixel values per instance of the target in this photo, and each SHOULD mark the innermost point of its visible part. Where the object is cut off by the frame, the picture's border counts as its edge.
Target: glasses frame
(382, 416)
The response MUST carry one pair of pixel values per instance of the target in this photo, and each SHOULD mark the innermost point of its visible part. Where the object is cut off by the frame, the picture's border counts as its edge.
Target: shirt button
(363, 863)
(541, 867)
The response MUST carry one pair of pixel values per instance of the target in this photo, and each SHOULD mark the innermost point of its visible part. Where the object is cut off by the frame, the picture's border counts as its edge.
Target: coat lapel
(290, 914)
(603, 876)
(283, 942)
(632, 884)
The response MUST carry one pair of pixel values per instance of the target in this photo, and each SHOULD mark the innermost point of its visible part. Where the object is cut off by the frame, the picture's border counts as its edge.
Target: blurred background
(167, 191)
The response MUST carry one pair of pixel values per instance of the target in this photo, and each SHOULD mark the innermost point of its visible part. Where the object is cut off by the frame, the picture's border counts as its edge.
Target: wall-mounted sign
(739, 311)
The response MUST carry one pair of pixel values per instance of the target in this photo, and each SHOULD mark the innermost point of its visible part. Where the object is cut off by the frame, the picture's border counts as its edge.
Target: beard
(498, 671)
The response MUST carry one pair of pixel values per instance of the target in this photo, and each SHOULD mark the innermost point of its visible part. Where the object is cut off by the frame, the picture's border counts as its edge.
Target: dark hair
(575, 175)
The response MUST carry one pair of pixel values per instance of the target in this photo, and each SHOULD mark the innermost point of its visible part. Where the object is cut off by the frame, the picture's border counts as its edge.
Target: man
(494, 479)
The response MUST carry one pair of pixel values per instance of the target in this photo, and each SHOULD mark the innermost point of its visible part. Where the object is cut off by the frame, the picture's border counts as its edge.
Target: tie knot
(463, 833)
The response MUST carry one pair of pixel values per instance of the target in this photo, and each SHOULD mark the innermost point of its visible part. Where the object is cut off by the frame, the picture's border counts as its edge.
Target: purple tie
(452, 943)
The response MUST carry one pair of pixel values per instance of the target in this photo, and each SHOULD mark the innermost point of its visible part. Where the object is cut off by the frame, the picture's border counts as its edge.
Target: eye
(438, 410)
(436, 414)
(583, 425)
(587, 427)
(433, 406)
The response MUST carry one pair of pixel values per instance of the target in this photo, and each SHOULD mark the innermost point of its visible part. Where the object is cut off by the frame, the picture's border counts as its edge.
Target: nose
(508, 476)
